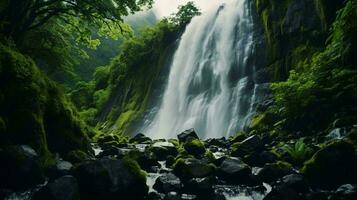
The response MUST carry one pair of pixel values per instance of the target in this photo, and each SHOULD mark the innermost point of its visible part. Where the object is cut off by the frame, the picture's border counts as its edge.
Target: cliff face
(34, 111)
(294, 30)
(137, 77)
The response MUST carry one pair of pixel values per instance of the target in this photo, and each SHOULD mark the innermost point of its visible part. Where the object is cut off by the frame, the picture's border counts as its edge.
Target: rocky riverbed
(244, 167)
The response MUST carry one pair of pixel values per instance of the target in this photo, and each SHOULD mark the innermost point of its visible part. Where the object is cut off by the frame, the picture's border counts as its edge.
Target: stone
(345, 192)
(332, 166)
(63, 188)
(249, 145)
(167, 183)
(259, 159)
(163, 149)
(20, 167)
(272, 172)
(195, 147)
(110, 179)
(147, 160)
(192, 168)
(296, 182)
(140, 139)
(186, 135)
(234, 171)
(218, 142)
(202, 187)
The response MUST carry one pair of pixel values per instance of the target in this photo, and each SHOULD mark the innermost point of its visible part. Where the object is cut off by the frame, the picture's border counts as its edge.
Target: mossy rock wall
(294, 31)
(33, 109)
(137, 78)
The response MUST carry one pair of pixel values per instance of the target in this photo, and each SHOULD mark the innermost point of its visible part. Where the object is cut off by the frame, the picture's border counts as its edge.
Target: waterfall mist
(212, 85)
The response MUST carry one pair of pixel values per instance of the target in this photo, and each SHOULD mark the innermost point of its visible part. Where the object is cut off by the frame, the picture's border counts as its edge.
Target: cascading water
(212, 82)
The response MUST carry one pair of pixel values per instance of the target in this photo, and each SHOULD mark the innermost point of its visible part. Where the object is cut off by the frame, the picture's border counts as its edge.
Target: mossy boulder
(332, 166)
(273, 171)
(247, 146)
(187, 135)
(35, 109)
(195, 147)
(111, 179)
(192, 168)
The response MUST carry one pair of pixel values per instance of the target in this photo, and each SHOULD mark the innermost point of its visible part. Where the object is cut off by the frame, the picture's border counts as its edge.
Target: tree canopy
(17, 17)
(185, 13)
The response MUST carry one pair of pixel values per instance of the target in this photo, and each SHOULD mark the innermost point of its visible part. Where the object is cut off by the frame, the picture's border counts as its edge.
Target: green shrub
(299, 152)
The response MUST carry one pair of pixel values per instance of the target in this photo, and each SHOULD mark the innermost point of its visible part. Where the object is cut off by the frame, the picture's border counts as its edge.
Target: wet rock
(249, 145)
(64, 188)
(186, 135)
(195, 147)
(272, 172)
(235, 171)
(163, 149)
(140, 139)
(170, 160)
(192, 168)
(110, 179)
(147, 160)
(19, 168)
(218, 142)
(283, 193)
(259, 159)
(296, 182)
(292, 186)
(61, 168)
(332, 166)
(202, 187)
(345, 192)
(155, 196)
(167, 183)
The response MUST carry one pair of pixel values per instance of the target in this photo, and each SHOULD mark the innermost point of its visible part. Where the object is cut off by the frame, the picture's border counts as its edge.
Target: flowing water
(212, 83)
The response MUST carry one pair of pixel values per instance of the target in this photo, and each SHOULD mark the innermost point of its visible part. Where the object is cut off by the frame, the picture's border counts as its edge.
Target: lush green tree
(185, 14)
(17, 17)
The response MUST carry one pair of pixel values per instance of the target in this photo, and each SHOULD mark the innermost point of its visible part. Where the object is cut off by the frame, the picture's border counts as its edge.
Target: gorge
(220, 100)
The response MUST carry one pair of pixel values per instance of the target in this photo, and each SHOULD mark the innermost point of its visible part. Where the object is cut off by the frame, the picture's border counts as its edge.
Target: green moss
(195, 147)
(135, 169)
(332, 166)
(36, 110)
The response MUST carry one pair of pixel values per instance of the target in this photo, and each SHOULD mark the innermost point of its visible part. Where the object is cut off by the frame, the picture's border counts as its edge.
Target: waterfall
(212, 82)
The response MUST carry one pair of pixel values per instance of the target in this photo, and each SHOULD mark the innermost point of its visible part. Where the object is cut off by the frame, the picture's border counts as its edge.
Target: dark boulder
(235, 171)
(168, 183)
(345, 192)
(296, 182)
(332, 166)
(259, 159)
(63, 188)
(195, 147)
(218, 142)
(140, 139)
(187, 135)
(272, 172)
(192, 168)
(163, 149)
(291, 187)
(202, 187)
(249, 145)
(61, 168)
(110, 179)
(20, 167)
(147, 160)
